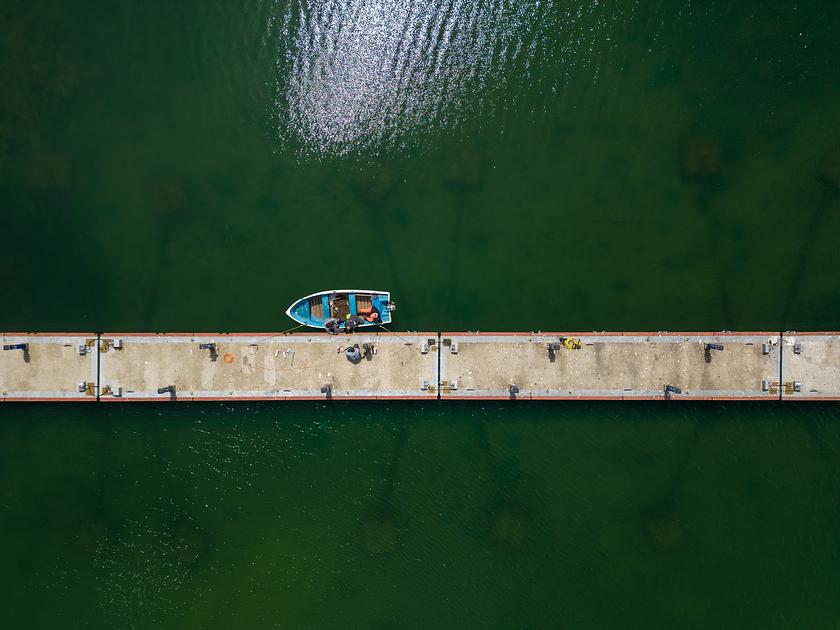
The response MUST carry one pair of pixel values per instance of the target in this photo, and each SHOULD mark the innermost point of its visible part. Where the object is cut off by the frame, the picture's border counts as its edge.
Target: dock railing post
(169, 389)
(19, 346)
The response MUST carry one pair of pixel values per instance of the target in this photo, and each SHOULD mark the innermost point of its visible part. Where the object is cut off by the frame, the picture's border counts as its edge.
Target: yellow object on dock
(572, 344)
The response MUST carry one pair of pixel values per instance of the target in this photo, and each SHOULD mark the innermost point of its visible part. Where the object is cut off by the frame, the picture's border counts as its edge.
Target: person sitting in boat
(349, 324)
(371, 315)
(332, 326)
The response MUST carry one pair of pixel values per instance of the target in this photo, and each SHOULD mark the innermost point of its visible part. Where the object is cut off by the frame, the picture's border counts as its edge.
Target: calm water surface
(498, 165)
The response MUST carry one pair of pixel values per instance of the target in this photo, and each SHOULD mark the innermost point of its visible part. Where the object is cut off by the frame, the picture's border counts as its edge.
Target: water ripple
(375, 75)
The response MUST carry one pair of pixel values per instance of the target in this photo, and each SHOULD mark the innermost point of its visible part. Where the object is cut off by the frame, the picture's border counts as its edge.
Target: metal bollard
(707, 350)
(214, 353)
(671, 389)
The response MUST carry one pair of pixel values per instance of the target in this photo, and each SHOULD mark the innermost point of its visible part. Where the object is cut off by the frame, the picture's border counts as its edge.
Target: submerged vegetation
(701, 157)
(829, 168)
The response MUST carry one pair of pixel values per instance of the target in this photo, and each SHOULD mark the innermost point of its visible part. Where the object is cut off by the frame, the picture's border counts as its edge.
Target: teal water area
(498, 166)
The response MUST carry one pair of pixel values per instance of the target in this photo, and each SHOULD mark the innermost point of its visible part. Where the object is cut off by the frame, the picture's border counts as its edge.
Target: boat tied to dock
(342, 310)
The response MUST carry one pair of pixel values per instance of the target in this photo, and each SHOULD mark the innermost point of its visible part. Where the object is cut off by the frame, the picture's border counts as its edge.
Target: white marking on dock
(811, 366)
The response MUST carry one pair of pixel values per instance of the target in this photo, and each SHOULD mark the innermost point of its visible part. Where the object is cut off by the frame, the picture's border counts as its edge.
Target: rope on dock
(407, 342)
(280, 334)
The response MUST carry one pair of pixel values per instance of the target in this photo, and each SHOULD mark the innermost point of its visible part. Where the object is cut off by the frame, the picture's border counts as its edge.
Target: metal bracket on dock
(773, 387)
(87, 388)
(86, 347)
(108, 390)
(448, 386)
(453, 345)
(792, 386)
(767, 346)
(107, 344)
(429, 344)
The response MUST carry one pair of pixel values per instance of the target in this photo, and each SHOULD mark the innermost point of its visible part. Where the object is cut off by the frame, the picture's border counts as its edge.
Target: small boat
(342, 310)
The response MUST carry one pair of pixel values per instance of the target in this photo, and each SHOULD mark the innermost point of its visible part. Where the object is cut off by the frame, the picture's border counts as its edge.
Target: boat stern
(382, 303)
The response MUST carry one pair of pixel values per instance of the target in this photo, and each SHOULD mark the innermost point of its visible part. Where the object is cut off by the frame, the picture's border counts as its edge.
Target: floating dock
(116, 367)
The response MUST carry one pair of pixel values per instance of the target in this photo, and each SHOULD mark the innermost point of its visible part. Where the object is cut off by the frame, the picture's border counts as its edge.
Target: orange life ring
(228, 358)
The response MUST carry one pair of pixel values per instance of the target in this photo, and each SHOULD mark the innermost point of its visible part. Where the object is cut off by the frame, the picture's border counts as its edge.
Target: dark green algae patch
(604, 168)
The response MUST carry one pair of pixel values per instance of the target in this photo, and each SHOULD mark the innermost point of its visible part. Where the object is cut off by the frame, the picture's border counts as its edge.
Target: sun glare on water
(373, 75)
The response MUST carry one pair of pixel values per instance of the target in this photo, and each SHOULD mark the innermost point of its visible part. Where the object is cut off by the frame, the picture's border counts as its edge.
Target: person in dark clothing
(353, 354)
(350, 324)
(371, 316)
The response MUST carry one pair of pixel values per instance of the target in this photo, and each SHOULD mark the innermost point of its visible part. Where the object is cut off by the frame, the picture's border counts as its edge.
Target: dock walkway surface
(114, 367)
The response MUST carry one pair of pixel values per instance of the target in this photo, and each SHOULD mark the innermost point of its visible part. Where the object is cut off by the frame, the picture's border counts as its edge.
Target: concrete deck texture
(113, 367)
(51, 369)
(269, 366)
(609, 366)
(811, 366)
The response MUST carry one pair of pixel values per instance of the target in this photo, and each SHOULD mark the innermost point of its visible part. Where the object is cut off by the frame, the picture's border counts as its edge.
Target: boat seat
(316, 307)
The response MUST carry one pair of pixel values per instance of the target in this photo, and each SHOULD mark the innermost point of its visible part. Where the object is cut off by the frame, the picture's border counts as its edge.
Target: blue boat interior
(315, 310)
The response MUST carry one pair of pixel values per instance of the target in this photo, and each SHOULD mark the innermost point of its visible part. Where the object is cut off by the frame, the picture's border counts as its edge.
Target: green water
(516, 165)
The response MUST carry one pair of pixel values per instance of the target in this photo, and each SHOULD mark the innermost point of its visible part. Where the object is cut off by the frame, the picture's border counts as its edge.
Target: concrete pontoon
(49, 367)
(267, 366)
(811, 366)
(732, 366)
(113, 367)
